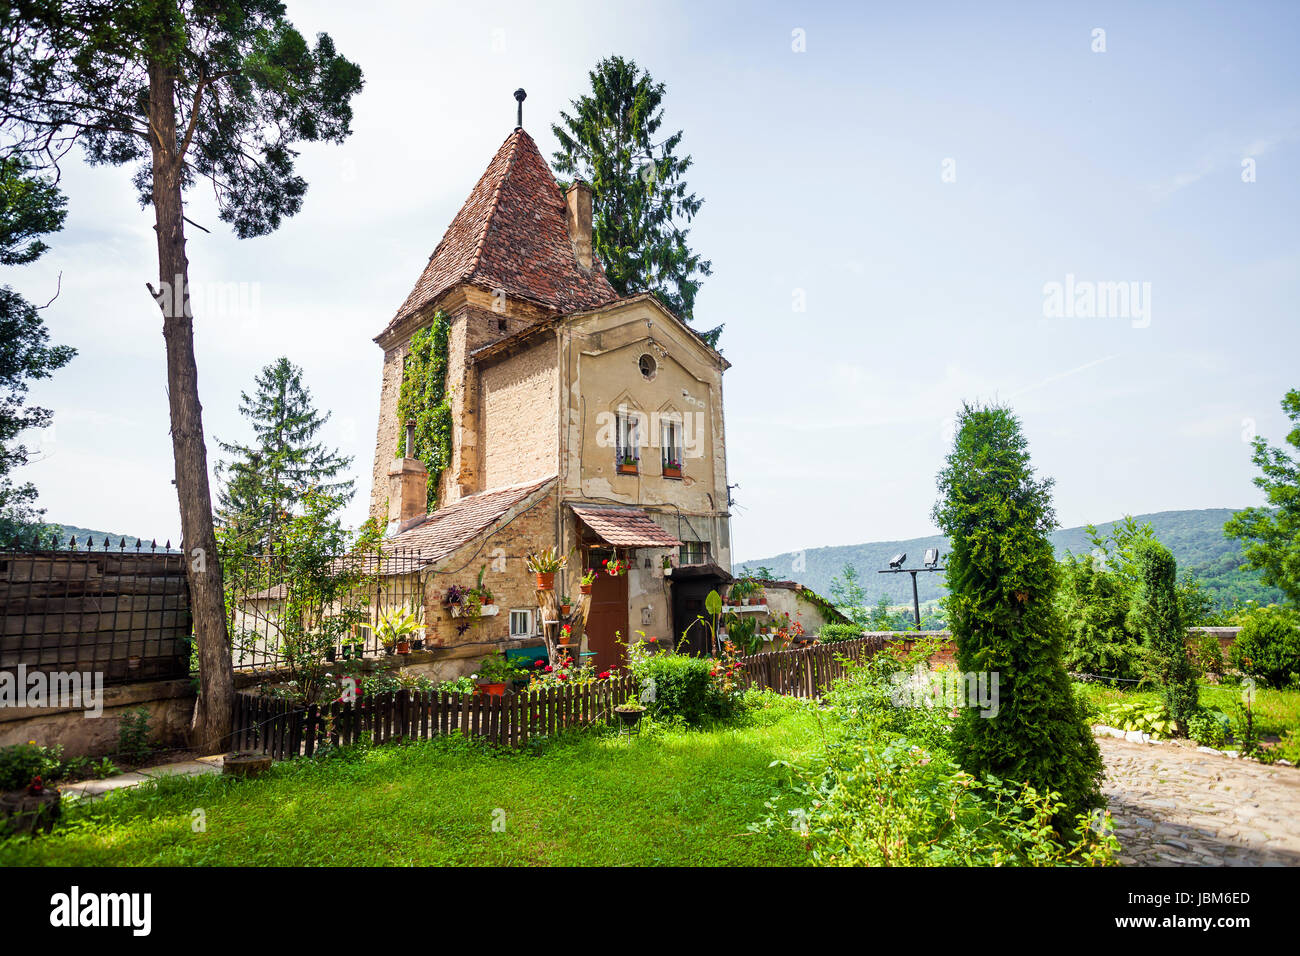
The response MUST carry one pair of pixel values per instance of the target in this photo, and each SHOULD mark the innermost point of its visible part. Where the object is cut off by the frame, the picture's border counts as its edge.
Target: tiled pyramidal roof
(511, 235)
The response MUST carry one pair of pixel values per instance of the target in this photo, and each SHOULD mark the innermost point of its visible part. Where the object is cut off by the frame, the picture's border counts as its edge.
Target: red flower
(564, 677)
(603, 674)
(538, 663)
(549, 668)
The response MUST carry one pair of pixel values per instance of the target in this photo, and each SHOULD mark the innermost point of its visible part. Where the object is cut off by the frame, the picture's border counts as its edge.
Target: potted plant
(627, 465)
(395, 628)
(566, 605)
(630, 711)
(566, 635)
(493, 675)
(672, 468)
(616, 568)
(455, 594)
(588, 579)
(545, 564)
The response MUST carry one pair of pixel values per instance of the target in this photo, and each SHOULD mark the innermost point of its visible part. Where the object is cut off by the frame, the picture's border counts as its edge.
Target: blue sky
(823, 175)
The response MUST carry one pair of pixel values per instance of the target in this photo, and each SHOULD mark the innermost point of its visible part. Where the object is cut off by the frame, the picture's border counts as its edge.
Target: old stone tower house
(580, 420)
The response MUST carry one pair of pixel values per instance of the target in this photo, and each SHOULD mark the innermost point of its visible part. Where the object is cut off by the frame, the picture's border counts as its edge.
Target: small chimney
(408, 486)
(578, 219)
(520, 96)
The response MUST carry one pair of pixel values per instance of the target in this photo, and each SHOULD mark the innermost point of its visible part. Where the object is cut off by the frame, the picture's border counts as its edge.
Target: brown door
(607, 622)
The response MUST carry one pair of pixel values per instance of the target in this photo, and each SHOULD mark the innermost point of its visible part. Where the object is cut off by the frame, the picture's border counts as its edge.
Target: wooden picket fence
(283, 730)
(807, 671)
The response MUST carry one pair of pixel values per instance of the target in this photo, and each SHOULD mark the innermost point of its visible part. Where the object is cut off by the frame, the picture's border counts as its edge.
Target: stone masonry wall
(528, 527)
(518, 418)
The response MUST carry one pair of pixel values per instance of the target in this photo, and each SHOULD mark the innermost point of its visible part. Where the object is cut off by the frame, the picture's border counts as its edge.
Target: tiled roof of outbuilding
(451, 526)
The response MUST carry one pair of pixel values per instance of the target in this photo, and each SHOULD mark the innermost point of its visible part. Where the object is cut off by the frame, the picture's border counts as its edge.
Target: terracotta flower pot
(493, 690)
(403, 647)
(565, 609)
(585, 588)
(546, 582)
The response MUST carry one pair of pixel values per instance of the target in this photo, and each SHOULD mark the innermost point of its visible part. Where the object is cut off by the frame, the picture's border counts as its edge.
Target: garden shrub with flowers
(694, 689)
(565, 672)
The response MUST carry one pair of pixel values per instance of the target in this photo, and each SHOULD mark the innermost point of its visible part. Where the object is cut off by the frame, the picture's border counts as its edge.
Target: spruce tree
(264, 480)
(1158, 619)
(1001, 576)
(641, 203)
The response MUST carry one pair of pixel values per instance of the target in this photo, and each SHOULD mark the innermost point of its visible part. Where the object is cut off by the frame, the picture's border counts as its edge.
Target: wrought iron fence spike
(122, 545)
(153, 545)
(138, 545)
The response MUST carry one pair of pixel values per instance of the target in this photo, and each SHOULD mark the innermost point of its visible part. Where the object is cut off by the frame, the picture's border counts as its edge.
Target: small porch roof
(624, 527)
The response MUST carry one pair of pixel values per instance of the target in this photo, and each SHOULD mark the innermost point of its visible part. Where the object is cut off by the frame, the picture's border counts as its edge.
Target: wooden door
(607, 621)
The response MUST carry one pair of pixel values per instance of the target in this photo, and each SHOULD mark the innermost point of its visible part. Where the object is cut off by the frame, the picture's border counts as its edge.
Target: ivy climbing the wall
(426, 401)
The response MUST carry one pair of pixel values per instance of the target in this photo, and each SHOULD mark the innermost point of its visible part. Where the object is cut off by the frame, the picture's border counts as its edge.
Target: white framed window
(521, 622)
(627, 439)
(670, 441)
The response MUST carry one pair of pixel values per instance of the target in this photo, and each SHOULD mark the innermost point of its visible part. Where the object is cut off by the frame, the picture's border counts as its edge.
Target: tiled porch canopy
(625, 527)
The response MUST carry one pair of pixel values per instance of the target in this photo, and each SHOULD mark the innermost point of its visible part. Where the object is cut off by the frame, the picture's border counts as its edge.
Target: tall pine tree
(183, 90)
(641, 202)
(264, 480)
(1001, 576)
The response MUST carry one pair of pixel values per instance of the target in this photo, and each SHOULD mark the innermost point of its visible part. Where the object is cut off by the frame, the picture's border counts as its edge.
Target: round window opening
(648, 366)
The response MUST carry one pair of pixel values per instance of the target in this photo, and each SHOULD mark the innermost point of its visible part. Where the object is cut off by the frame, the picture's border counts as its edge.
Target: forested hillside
(1195, 537)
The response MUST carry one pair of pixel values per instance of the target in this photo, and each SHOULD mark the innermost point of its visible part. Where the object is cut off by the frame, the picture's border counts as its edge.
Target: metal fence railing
(115, 609)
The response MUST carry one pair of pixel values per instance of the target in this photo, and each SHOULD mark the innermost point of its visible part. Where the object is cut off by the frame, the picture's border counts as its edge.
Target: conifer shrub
(1001, 576)
(1158, 617)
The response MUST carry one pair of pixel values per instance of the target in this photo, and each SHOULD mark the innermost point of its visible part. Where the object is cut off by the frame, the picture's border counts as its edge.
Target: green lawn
(674, 797)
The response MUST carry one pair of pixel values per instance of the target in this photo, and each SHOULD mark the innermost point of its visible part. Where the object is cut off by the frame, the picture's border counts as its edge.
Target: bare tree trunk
(214, 712)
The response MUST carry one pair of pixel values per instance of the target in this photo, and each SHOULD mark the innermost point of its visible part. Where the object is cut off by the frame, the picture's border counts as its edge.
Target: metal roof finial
(520, 96)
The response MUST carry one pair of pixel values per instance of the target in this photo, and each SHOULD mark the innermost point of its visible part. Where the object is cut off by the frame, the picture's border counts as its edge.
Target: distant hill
(1195, 537)
(81, 534)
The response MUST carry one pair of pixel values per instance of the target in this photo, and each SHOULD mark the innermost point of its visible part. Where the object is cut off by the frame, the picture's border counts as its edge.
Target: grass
(1276, 711)
(669, 797)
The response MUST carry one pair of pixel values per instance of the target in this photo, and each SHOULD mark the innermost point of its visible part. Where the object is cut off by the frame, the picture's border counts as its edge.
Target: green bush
(685, 687)
(1207, 655)
(1268, 647)
(1209, 728)
(901, 805)
(21, 763)
(830, 633)
(885, 790)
